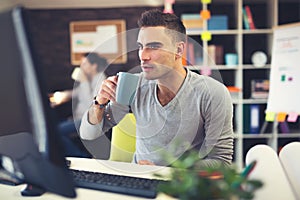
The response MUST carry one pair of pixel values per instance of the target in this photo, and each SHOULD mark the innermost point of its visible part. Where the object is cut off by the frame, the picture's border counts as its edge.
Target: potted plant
(219, 182)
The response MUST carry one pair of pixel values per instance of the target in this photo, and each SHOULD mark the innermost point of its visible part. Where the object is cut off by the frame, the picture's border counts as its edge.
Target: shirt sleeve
(112, 115)
(89, 131)
(218, 143)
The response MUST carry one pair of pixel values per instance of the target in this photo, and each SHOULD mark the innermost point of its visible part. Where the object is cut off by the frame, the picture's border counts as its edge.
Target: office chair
(123, 139)
(270, 171)
(289, 157)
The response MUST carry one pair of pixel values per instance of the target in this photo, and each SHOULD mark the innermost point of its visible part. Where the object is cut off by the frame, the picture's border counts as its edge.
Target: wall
(49, 32)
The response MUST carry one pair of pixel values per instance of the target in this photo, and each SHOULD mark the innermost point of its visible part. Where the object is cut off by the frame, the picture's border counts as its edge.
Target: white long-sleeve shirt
(84, 93)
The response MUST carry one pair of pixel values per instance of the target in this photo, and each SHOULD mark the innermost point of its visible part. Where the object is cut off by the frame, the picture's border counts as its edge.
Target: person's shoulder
(206, 84)
(203, 79)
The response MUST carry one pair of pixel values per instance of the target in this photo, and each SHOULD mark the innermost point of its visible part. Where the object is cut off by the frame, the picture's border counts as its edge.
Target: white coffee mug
(126, 87)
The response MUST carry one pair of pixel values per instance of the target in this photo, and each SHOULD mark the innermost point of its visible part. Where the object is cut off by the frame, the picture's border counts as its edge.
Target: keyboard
(136, 186)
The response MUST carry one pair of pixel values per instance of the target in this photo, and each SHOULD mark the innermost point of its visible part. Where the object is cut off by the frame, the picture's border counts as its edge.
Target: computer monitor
(28, 130)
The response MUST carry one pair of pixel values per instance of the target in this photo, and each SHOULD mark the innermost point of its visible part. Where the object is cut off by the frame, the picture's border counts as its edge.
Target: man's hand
(60, 97)
(107, 90)
(106, 93)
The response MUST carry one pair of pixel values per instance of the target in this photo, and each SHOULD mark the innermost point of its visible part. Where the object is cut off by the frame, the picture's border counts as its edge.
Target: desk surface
(13, 192)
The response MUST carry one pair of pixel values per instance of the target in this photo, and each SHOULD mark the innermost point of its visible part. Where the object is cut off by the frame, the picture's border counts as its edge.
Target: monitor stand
(32, 191)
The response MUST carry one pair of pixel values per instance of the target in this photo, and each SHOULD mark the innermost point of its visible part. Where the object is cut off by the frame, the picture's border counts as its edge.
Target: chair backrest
(290, 160)
(123, 139)
(269, 170)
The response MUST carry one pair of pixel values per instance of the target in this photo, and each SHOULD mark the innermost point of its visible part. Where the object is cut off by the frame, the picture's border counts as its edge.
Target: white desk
(13, 192)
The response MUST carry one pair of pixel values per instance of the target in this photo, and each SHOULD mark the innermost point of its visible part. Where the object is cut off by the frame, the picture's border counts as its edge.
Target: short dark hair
(95, 58)
(156, 17)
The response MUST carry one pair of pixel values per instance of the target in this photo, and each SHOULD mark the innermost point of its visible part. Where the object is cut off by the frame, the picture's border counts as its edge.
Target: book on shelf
(260, 88)
(215, 54)
(198, 53)
(192, 54)
(188, 54)
(245, 20)
(254, 122)
(192, 21)
(250, 17)
(218, 22)
(251, 118)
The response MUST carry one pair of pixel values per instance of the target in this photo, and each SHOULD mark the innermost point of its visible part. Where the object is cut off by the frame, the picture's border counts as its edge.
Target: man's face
(156, 52)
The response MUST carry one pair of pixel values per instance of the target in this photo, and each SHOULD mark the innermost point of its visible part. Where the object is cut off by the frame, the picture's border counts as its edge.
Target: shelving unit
(266, 15)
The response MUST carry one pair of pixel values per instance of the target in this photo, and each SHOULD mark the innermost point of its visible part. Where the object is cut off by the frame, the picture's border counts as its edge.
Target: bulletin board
(284, 94)
(106, 37)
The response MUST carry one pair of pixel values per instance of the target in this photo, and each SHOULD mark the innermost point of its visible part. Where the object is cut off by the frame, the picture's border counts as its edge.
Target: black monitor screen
(14, 109)
(28, 125)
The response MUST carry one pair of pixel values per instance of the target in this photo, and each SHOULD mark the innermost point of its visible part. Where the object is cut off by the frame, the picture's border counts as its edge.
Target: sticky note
(270, 116)
(205, 14)
(292, 117)
(206, 1)
(281, 117)
(206, 36)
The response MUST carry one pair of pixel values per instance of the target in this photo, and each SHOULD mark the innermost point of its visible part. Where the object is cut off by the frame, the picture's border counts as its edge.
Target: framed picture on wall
(106, 37)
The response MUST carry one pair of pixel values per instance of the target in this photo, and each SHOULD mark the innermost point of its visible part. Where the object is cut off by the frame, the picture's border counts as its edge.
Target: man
(176, 110)
(92, 72)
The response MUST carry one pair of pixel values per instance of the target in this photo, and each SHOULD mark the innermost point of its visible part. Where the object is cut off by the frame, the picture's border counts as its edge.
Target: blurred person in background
(91, 73)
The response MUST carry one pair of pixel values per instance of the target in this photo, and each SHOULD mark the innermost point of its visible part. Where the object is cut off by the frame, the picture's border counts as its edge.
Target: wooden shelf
(258, 31)
(213, 32)
(244, 42)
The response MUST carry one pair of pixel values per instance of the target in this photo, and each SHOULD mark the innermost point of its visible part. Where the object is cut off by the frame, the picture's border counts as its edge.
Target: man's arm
(218, 144)
(89, 131)
(92, 121)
